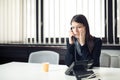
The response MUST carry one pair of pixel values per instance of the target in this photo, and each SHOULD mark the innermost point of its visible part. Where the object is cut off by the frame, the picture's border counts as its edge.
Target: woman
(88, 48)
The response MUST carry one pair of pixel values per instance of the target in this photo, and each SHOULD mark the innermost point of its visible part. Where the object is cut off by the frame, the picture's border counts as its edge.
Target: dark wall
(21, 53)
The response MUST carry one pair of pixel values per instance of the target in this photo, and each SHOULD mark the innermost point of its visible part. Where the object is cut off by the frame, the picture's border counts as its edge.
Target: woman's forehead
(76, 24)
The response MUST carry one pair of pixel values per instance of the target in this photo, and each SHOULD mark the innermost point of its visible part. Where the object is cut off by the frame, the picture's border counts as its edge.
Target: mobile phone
(73, 37)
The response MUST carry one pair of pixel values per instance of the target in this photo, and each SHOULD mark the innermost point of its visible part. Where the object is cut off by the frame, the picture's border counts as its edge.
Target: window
(117, 8)
(58, 13)
(111, 22)
(17, 21)
(47, 22)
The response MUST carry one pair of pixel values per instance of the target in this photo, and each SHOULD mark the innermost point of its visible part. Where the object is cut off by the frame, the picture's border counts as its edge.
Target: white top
(33, 71)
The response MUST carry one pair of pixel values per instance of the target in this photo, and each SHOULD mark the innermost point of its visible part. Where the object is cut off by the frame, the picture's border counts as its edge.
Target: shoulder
(97, 40)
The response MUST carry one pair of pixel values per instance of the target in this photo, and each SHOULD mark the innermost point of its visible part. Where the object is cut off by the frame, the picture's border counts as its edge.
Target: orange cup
(45, 67)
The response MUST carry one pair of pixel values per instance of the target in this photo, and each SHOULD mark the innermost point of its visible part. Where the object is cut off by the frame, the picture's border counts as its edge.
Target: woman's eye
(76, 27)
(72, 27)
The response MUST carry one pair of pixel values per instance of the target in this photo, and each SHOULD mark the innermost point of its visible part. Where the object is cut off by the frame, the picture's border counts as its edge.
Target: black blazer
(94, 55)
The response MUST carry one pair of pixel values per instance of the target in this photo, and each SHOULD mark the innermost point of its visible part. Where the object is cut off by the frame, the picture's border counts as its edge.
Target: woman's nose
(76, 29)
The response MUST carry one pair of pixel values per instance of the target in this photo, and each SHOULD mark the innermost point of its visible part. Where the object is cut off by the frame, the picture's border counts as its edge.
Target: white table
(33, 71)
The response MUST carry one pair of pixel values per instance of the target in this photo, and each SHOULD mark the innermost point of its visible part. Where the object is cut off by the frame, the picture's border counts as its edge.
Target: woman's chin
(76, 36)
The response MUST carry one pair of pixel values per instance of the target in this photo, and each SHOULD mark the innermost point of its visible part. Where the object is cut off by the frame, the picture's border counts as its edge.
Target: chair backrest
(44, 56)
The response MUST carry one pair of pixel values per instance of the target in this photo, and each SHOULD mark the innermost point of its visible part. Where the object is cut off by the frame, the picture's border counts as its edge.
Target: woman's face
(78, 29)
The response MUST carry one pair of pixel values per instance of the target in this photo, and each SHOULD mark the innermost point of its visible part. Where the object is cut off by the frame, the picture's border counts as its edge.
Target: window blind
(17, 21)
(10, 27)
(58, 13)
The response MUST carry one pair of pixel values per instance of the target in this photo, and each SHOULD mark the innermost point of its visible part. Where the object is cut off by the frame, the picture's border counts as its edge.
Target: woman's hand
(71, 34)
(81, 38)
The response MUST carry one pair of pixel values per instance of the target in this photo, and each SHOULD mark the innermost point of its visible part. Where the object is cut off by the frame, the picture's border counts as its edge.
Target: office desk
(33, 71)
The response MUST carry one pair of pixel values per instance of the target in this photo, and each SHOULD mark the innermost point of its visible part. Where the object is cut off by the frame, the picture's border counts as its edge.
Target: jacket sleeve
(96, 52)
(69, 55)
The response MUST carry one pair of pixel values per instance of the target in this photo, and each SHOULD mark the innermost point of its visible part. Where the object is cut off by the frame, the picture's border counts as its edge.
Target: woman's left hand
(81, 38)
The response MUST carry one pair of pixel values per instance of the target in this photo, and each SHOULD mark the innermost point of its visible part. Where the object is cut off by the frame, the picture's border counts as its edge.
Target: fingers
(71, 33)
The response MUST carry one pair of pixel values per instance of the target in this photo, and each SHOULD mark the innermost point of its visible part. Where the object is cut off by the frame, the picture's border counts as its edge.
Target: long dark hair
(88, 37)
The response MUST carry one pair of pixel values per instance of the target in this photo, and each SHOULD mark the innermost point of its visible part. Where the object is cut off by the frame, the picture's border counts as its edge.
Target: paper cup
(45, 67)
